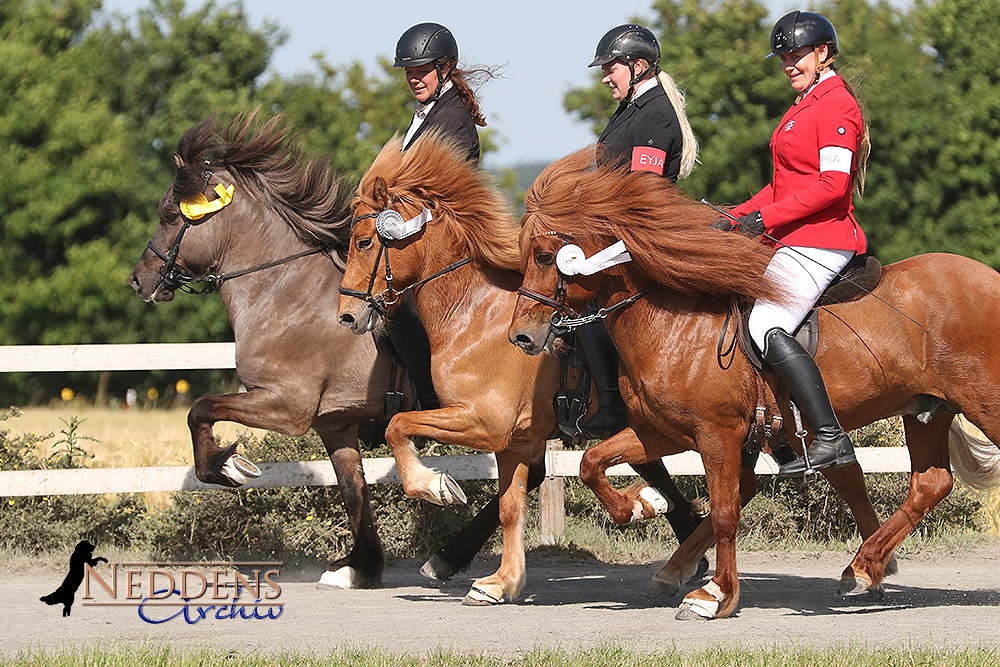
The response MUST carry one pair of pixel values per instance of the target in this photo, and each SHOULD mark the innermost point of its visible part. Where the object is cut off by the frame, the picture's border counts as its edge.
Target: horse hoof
(448, 492)
(659, 588)
(437, 569)
(345, 577)
(688, 612)
(240, 469)
(660, 503)
(477, 597)
(853, 587)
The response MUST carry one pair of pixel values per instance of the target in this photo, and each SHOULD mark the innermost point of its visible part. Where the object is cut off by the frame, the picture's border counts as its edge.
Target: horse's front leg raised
(639, 501)
(930, 482)
(257, 408)
(507, 582)
(453, 425)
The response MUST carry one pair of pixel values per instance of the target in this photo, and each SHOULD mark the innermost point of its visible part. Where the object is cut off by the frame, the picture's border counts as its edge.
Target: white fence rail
(159, 356)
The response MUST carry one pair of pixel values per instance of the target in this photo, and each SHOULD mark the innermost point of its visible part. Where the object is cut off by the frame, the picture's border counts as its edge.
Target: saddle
(858, 278)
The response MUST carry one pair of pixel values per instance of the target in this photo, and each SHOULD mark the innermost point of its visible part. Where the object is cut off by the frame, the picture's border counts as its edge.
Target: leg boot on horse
(831, 447)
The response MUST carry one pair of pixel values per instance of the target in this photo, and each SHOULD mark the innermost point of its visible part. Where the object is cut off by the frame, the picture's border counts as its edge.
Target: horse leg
(849, 482)
(680, 568)
(364, 565)
(638, 501)
(455, 425)
(507, 582)
(930, 481)
(457, 554)
(257, 408)
(686, 516)
(720, 596)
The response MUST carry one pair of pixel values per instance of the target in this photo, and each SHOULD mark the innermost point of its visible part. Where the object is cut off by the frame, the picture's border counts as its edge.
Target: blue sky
(546, 45)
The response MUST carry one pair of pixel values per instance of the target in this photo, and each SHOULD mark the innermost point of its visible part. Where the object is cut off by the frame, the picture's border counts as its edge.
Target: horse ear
(178, 162)
(381, 192)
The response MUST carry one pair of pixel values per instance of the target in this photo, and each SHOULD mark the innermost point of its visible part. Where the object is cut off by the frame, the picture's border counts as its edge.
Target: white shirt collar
(828, 74)
(643, 87)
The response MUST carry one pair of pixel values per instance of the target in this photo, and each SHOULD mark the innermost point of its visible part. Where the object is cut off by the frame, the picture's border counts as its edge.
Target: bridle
(389, 296)
(173, 276)
(558, 302)
(564, 318)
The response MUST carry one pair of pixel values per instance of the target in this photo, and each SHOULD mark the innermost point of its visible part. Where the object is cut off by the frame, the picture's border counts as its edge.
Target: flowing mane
(667, 233)
(432, 172)
(262, 159)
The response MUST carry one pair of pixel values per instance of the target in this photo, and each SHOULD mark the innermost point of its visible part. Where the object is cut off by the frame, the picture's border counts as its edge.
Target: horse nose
(522, 340)
(133, 281)
(347, 320)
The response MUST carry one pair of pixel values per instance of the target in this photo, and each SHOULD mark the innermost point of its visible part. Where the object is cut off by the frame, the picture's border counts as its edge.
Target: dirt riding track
(940, 600)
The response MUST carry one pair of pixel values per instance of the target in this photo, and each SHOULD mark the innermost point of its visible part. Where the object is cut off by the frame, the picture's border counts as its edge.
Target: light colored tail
(975, 460)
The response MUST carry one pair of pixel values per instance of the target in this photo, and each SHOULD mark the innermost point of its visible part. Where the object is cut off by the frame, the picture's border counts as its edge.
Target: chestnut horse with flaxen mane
(922, 345)
(427, 220)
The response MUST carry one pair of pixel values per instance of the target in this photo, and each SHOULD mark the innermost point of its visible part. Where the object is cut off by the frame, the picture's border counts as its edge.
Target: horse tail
(975, 460)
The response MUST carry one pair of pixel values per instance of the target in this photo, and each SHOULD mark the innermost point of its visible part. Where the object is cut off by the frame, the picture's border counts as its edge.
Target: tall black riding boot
(602, 358)
(409, 337)
(831, 447)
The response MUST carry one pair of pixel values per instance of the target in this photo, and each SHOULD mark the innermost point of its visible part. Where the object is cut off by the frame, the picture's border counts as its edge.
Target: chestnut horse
(277, 253)
(459, 263)
(921, 346)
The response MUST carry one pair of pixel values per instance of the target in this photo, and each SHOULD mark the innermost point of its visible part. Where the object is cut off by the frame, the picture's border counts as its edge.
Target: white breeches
(804, 273)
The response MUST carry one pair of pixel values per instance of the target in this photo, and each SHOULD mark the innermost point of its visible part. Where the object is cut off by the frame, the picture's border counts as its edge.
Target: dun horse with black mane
(923, 346)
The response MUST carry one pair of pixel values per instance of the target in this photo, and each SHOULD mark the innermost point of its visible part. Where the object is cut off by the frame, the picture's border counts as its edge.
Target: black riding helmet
(629, 43)
(427, 43)
(797, 29)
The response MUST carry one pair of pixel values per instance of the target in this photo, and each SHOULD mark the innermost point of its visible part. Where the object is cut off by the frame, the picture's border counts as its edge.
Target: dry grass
(123, 438)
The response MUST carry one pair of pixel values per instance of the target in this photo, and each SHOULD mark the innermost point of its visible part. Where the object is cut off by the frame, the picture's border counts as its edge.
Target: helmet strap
(441, 80)
(636, 79)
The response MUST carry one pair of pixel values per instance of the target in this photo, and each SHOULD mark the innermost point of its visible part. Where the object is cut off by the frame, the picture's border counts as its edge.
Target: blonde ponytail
(689, 145)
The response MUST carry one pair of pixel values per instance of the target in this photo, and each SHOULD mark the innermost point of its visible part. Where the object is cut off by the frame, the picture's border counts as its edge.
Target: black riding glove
(751, 224)
(725, 224)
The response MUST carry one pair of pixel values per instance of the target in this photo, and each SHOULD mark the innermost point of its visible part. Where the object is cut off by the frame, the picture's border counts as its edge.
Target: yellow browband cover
(197, 207)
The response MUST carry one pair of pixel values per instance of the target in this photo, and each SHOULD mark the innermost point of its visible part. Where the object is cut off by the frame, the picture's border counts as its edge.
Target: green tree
(923, 75)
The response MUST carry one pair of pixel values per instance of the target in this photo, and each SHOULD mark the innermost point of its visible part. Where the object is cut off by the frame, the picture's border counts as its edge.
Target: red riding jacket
(803, 206)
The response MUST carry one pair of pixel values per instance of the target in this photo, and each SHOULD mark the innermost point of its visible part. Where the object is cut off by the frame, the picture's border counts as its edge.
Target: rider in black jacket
(649, 132)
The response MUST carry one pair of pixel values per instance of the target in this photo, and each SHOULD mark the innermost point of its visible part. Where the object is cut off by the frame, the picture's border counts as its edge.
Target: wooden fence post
(551, 506)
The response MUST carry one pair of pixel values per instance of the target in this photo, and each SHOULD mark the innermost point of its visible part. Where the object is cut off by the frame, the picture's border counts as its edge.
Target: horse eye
(545, 258)
(364, 244)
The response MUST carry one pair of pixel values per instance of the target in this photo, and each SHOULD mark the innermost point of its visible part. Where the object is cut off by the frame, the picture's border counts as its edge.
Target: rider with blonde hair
(650, 132)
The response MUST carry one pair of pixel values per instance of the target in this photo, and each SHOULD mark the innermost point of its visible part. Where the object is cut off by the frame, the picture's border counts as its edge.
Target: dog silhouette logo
(82, 555)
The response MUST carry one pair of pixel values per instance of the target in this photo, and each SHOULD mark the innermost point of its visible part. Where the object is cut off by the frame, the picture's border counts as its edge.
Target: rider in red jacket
(819, 151)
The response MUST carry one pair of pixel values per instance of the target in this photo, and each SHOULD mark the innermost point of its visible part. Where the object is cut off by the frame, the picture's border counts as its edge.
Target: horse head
(418, 214)
(187, 241)
(384, 255)
(551, 292)
(243, 195)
